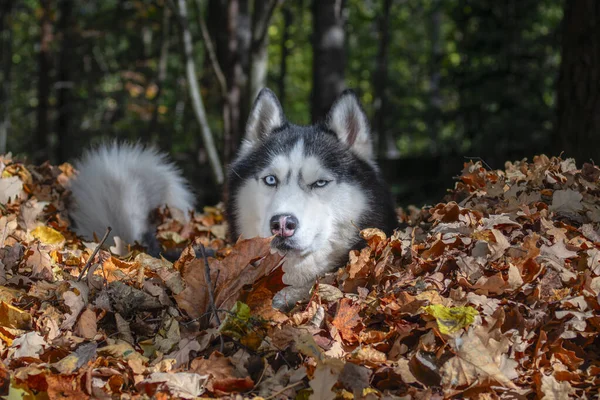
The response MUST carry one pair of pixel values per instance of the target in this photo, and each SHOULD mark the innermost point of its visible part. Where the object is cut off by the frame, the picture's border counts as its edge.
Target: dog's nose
(284, 225)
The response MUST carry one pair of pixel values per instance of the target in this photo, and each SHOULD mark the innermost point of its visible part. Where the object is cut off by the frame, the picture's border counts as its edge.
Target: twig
(89, 261)
(262, 375)
(194, 92)
(479, 159)
(210, 49)
(211, 294)
(283, 390)
(262, 25)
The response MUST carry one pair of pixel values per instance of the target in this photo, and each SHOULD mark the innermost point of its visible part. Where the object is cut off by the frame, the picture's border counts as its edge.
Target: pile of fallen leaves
(491, 294)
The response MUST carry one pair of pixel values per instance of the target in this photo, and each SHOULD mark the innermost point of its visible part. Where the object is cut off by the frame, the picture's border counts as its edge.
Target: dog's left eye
(320, 183)
(270, 180)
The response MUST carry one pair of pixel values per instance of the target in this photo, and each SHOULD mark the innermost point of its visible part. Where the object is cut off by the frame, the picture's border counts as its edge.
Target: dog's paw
(287, 297)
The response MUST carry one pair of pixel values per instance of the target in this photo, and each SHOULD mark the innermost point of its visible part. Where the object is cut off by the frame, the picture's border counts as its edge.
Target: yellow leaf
(13, 317)
(47, 235)
(451, 319)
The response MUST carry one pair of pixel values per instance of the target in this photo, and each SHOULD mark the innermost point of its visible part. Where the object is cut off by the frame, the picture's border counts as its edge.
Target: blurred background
(441, 80)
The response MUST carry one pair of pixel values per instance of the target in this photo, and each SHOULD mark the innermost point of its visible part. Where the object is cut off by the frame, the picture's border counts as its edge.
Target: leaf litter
(491, 294)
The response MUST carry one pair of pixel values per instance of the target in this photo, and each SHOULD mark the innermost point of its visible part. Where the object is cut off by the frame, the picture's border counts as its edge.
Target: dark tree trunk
(229, 26)
(578, 106)
(42, 152)
(381, 81)
(329, 55)
(6, 57)
(285, 52)
(64, 82)
(262, 13)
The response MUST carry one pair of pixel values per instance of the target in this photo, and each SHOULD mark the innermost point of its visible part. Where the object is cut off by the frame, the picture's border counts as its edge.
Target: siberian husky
(311, 187)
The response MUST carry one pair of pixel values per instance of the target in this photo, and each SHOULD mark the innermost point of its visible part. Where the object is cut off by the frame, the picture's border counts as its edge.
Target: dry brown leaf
(322, 383)
(474, 364)
(347, 321)
(86, 325)
(234, 272)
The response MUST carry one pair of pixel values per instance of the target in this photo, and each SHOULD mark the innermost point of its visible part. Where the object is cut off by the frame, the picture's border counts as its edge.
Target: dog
(311, 187)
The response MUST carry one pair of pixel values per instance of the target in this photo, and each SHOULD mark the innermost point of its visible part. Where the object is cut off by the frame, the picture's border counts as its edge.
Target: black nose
(284, 225)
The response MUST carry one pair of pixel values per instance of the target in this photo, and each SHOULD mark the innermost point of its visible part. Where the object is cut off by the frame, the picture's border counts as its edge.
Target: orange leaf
(347, 320)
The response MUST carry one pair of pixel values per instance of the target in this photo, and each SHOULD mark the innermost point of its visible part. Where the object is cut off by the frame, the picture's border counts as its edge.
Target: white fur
(119, 185)
(350, 124)
(326, 228)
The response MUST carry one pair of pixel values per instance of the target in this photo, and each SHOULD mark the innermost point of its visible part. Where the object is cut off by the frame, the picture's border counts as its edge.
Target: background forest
(440, 79)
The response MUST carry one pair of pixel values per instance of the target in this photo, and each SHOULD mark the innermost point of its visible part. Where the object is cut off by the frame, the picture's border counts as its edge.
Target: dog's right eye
(270, 180)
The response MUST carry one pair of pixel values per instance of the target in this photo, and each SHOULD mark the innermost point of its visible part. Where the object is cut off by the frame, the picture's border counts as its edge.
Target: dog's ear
(349, 122)
(266, 115)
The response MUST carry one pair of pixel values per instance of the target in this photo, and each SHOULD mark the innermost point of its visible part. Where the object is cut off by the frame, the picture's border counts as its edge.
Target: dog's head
(305, 185)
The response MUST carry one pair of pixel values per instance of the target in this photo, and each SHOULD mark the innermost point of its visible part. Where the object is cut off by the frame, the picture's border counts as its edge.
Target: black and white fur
(322, 177)
(119, 185)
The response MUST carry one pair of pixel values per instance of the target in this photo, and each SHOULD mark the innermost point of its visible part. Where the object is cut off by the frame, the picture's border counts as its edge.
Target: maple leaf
(64, 387)
(475, 363)
(11, 188)
(347, 321)
(30, 344)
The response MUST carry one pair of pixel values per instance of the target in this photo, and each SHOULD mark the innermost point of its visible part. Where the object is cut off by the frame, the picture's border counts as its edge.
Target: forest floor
(492, 293)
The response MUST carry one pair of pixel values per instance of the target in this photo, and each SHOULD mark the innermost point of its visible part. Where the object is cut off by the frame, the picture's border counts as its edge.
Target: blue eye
(320, 183)
(270, 180)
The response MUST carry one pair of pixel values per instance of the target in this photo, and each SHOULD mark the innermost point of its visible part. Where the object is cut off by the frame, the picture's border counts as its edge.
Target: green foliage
(497, 65)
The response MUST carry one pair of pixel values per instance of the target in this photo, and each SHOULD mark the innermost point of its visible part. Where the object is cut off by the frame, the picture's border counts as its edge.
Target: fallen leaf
(347, 320)
(13, 317)
(30, 344)
(47, 235)
(322, 383)
(451, 319)
(184, 385)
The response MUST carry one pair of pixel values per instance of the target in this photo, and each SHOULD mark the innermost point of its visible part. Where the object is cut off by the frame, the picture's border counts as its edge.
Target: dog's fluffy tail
(119, 185)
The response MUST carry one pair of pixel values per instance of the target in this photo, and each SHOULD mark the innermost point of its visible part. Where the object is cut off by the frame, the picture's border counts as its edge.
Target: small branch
(210, 49)
(194, 89)
(96, 250)
(262, 25)
(211, 294)
(293, 385)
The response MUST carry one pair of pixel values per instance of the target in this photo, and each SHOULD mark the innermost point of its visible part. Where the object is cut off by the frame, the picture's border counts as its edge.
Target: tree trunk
(329, 55)
(229, 26)
(64, 82)
(42, 152)
(194, 89)
(381, 82)
(578, 106)
(258, 63)
(6, 56)
(285, 52)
